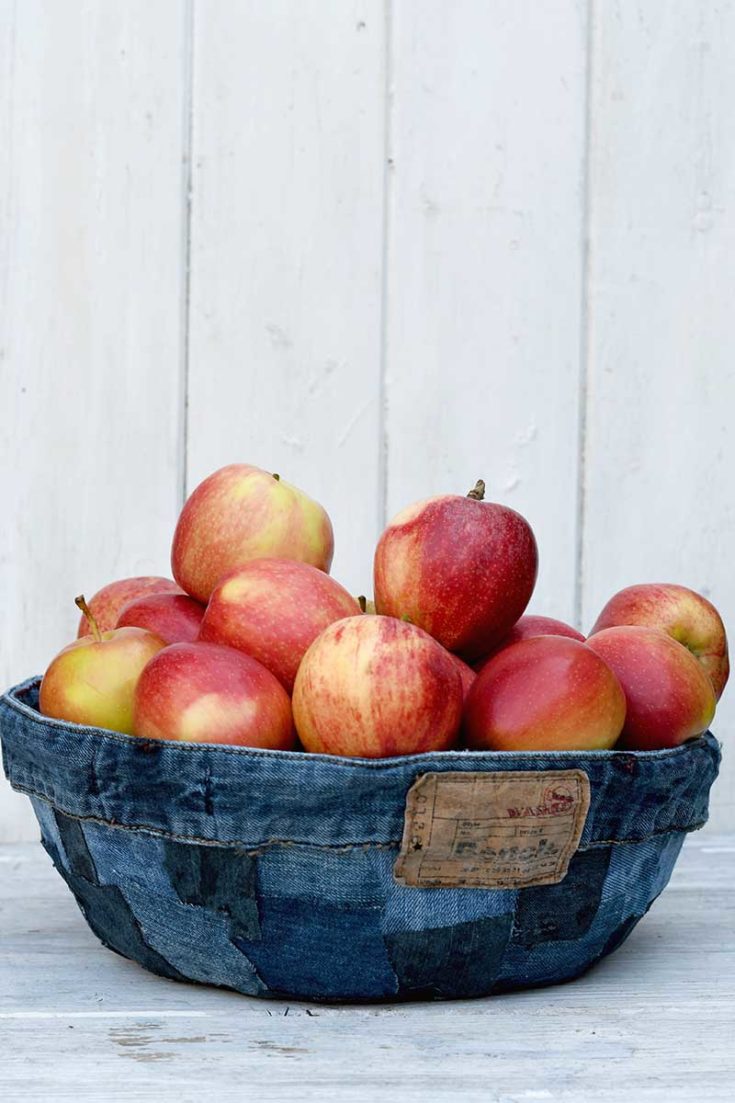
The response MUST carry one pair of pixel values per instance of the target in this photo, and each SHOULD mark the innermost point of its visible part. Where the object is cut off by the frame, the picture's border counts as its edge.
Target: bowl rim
(12, 699)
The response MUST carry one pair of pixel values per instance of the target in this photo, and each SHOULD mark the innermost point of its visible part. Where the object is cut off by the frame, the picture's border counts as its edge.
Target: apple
(176, 618)
(460, 568)
(466, 673)
(241, 513)
(92, 680)
(107, 603)
(273, 609)
(687, 617)
(546, 693)
(528, 627)
(376, 686)
(668, 694)
(207, 693)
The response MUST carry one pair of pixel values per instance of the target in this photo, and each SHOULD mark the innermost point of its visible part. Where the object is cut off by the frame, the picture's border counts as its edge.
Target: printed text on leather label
(508, 829)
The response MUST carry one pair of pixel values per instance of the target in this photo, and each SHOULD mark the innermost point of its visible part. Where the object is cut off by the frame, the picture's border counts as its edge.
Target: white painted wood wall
(383, 248)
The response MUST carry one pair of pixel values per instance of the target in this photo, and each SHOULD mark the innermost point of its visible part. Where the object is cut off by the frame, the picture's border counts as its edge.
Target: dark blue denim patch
(221, 880)
(323, 951)
(272, 872)
(549, 913)
(461, 960)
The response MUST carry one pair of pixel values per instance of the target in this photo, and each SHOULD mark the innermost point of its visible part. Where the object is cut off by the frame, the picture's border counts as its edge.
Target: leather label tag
(502, 830)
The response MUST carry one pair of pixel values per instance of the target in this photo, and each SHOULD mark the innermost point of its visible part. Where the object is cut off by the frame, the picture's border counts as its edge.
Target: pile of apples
(255, 644)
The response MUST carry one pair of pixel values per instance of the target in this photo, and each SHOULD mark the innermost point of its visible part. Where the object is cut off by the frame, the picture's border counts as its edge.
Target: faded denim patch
(272, 872)
(103, 906)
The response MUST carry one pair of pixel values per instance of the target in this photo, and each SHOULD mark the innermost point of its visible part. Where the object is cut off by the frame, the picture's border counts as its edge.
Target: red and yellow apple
(375, 686)
(241, 513)
(108, 603)
(669, 697)
(206, 693)
(685, 615)
(273, 609)
(176, 618)
(546, 693)
(92, 681)
(460, 568)
(528, 627)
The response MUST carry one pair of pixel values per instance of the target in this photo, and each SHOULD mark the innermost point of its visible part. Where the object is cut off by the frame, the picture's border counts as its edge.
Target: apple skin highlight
(547, 693)
(206, 693)
(92, 681)
(241, 513)
(375, 686)
(669, 696)
(688, 617)
(273, 609)
(458, 567)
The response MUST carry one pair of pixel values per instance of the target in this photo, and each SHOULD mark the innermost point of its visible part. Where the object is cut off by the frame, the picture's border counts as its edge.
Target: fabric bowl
(274, 872)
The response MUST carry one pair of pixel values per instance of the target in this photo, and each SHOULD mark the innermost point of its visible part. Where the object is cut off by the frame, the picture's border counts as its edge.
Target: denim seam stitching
(256, 848)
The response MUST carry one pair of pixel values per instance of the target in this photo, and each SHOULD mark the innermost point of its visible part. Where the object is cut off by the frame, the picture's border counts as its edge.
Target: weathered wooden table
(656, 1021)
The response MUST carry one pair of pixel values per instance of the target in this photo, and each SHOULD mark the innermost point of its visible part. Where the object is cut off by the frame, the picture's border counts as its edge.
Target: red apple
(460, 568)
(273, 609)
(107, 603)
(669, 697)
(205, 693)
(466, 673)
(687, 617)
(92, 680)
(376, 686)
(176, 618)
(547, 693)
(528, 627)
(241, 513)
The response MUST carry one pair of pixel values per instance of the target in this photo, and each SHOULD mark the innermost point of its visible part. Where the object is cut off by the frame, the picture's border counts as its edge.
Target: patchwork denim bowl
(273, 872)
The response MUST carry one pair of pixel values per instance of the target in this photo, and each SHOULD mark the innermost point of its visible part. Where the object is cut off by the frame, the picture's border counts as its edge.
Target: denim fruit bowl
(280, 873)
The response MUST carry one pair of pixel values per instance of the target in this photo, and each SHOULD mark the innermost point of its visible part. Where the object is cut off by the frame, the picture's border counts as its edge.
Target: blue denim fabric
(271, 872)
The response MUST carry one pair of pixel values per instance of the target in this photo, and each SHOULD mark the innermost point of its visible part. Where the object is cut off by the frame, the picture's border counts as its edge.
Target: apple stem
(362, 602)
(276, 477)
(478, 491)
(81, 603)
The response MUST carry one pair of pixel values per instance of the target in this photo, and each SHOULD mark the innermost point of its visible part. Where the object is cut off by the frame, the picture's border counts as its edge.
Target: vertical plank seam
(383, 444)
(584, 320)
(186, 186)
(7, 197)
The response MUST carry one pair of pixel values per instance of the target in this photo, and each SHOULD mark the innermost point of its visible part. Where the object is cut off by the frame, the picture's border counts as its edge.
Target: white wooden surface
(652, 1023)
(384, 248)
(485, 263)
(91, 286)
(659, 469)
(286, 251)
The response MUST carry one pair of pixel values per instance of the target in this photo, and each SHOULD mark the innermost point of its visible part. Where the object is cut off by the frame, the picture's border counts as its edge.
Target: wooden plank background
(381, 247)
